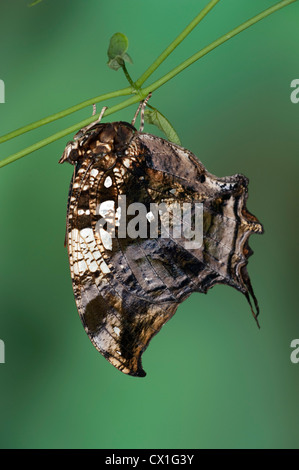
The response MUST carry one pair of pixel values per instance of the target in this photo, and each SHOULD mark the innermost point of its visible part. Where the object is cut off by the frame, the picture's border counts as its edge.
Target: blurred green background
(213, 379)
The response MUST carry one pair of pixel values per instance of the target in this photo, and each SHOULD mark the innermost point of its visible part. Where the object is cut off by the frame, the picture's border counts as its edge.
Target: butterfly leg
(141, 109)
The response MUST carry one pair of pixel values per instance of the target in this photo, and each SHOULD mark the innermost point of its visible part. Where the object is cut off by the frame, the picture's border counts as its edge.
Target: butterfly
(128, 279)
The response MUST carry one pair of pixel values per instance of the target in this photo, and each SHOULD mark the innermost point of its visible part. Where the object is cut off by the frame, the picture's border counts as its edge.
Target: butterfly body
(129, 280)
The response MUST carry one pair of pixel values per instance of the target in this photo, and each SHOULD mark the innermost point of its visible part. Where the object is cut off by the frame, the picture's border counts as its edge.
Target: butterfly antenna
(94, 109)
(141, 107)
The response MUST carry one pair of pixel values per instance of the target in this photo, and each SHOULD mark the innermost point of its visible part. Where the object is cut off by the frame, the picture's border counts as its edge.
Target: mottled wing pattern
(227, 222)
(127, 288)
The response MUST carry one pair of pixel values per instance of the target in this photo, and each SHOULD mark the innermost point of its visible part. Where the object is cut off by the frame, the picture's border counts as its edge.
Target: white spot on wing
(93, 266)
(108, 182)
(87, 233)
(85, 253)
(117, 330)
(104, 267)
(105, 207)
(126, 162)
(94, 172)
(106, 239)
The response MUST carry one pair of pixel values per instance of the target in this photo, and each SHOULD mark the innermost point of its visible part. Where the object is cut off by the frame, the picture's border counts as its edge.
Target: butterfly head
(99, 139)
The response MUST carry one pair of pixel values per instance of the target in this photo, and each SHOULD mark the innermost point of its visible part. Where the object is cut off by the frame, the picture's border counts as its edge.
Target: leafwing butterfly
(128, 279)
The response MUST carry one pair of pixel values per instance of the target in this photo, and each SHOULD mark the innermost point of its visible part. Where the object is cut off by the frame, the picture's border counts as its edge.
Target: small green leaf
(153, 116)
(127, 58)
(116, 63)
(118, 45)
(117, 51)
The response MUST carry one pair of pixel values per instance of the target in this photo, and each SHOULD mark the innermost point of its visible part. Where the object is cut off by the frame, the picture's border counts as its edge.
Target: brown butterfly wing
(227, 222)
(127, 288)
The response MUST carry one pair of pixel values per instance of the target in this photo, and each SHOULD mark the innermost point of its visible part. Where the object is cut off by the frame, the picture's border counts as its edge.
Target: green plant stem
(64, 113)
(175, 43)
(70, 130)
(218, 42)
(128, 77)
(144, 92)
(124, 91)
